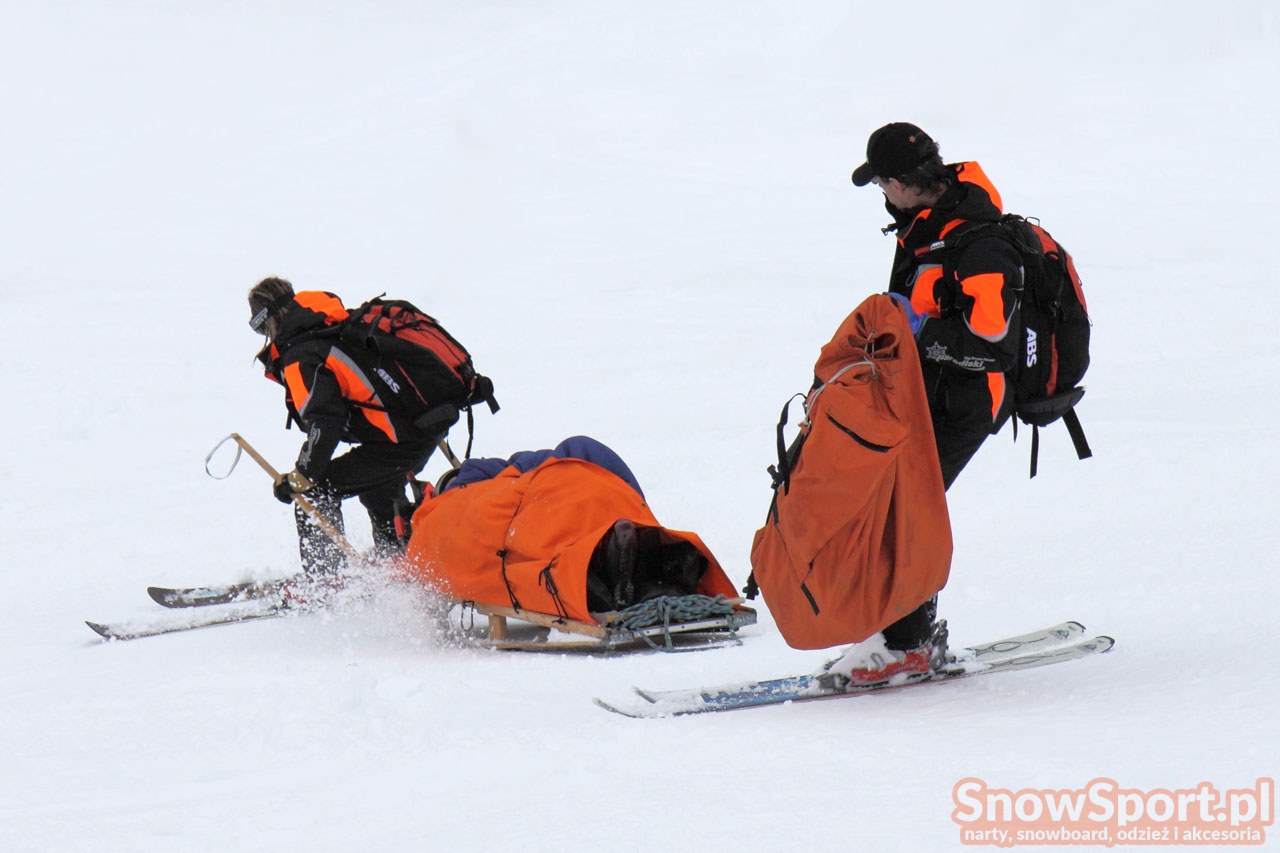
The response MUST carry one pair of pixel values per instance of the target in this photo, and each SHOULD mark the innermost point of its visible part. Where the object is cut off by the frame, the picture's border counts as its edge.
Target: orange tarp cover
(861, 536)
(525, 540)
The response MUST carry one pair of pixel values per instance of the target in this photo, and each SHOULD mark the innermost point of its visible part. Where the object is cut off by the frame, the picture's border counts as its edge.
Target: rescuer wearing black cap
(960, 296)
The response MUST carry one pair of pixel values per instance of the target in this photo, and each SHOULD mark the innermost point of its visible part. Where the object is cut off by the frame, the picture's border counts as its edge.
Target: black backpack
(1053, 327)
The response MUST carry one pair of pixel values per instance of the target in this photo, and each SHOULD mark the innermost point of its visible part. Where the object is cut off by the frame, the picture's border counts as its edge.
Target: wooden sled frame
(542, 631)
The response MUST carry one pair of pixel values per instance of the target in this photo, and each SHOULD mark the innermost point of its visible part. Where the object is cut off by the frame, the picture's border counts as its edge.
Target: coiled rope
(667, 610)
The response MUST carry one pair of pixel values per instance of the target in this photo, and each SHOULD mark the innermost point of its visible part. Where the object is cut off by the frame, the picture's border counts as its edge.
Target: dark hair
(930, 176)
(268, 292)
(271, 295)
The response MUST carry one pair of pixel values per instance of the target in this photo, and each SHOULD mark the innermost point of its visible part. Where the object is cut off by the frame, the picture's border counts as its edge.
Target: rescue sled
(555, 550)
(558, 550)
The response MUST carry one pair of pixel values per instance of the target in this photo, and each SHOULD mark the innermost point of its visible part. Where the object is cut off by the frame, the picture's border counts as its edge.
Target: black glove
(293, 483)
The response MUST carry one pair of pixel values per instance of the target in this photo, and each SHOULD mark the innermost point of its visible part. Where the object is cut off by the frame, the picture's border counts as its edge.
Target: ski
(1045, 638)
(803, 688)
(1055, 635)
(134, 631)
(205, 596)
(256, 600)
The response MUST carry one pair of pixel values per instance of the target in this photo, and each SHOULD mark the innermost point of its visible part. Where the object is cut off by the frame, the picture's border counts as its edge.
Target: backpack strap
(1077, 435)
(471, 432)
(968, 232)
(1035, 448)
(1038, 413)
(481, 392)
(946, 251)
(1072, 420)
(437, 419)
(781, 473)
(781, 476)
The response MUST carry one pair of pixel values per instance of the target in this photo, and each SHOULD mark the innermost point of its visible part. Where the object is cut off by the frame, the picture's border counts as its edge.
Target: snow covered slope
(639, 218)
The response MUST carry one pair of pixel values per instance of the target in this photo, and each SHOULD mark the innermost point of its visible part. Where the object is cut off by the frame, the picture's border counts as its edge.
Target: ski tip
(100, 629)
(159, 594)
(1104, 643)
(645, 695)
(646, 712)
(614, 708)
(1078, 626)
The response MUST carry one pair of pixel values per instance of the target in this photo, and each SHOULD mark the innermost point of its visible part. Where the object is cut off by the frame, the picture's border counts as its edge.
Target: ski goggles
(258, 322)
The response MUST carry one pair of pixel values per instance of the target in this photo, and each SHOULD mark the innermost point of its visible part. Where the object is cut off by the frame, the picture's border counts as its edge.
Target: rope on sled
(667, 610)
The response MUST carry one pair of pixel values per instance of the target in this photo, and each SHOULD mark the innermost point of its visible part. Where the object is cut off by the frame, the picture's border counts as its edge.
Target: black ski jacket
(970, 299)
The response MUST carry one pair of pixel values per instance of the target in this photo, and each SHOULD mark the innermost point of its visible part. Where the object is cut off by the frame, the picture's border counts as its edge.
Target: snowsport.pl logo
(1103, 813)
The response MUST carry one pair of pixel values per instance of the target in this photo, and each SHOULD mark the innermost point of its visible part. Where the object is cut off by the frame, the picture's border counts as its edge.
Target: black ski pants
(960, 405)
(377, 475)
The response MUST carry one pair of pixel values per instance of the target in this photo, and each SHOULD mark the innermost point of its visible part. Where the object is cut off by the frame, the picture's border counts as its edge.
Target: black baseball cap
(892, 151)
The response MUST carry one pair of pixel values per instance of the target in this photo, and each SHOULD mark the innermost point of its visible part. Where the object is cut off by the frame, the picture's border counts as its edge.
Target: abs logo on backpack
(1031, 347)
(387, 378)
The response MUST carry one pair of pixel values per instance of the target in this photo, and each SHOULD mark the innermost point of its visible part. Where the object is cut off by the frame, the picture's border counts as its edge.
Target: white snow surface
(638, 216)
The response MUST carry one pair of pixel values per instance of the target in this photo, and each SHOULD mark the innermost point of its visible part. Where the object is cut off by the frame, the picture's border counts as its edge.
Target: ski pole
(309, 508)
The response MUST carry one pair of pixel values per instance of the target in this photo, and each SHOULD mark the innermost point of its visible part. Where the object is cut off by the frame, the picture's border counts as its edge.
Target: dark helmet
(268, 300)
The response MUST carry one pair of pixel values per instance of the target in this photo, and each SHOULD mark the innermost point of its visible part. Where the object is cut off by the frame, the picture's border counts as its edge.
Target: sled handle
(309, 508)
(443, 444)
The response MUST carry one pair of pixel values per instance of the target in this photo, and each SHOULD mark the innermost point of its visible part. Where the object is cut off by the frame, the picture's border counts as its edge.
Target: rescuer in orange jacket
(335, 397)
(961, 304)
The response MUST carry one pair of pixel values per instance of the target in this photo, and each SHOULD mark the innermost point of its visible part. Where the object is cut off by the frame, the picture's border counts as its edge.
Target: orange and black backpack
(425, 367)
(1053, 327)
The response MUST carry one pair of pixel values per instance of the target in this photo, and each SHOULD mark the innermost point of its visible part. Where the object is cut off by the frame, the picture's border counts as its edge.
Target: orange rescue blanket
(526, 540)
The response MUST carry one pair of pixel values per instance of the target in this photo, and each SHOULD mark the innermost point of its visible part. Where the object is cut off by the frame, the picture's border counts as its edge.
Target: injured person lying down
(564, 532)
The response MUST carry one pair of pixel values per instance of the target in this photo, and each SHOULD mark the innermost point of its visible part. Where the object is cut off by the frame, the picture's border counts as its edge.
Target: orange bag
(525, 540)
(858, 533)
